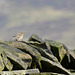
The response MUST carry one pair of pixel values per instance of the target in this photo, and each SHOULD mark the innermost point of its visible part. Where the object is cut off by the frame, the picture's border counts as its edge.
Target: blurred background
(49, 19)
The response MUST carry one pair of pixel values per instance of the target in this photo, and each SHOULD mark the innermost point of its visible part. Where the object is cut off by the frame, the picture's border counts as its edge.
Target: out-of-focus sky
(49, 19)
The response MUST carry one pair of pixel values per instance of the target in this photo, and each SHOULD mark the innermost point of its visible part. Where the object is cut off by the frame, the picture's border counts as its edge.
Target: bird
(18, 37)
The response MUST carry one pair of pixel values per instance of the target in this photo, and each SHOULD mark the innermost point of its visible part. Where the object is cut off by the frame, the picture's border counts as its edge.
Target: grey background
(49, 19)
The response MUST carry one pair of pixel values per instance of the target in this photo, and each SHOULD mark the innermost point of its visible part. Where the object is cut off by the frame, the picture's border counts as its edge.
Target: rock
(6, 61)
(49, 66)
(46, 55)
(23, 46)
(59, 50)
(14, 56)
(50, 49)
(71, 64)
(1, 63)
(49, 73)
(55, 48)
(20, 72)
(35, 38)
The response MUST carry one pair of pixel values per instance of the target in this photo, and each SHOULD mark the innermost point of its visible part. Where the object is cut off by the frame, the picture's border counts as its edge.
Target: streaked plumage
(18, 37)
